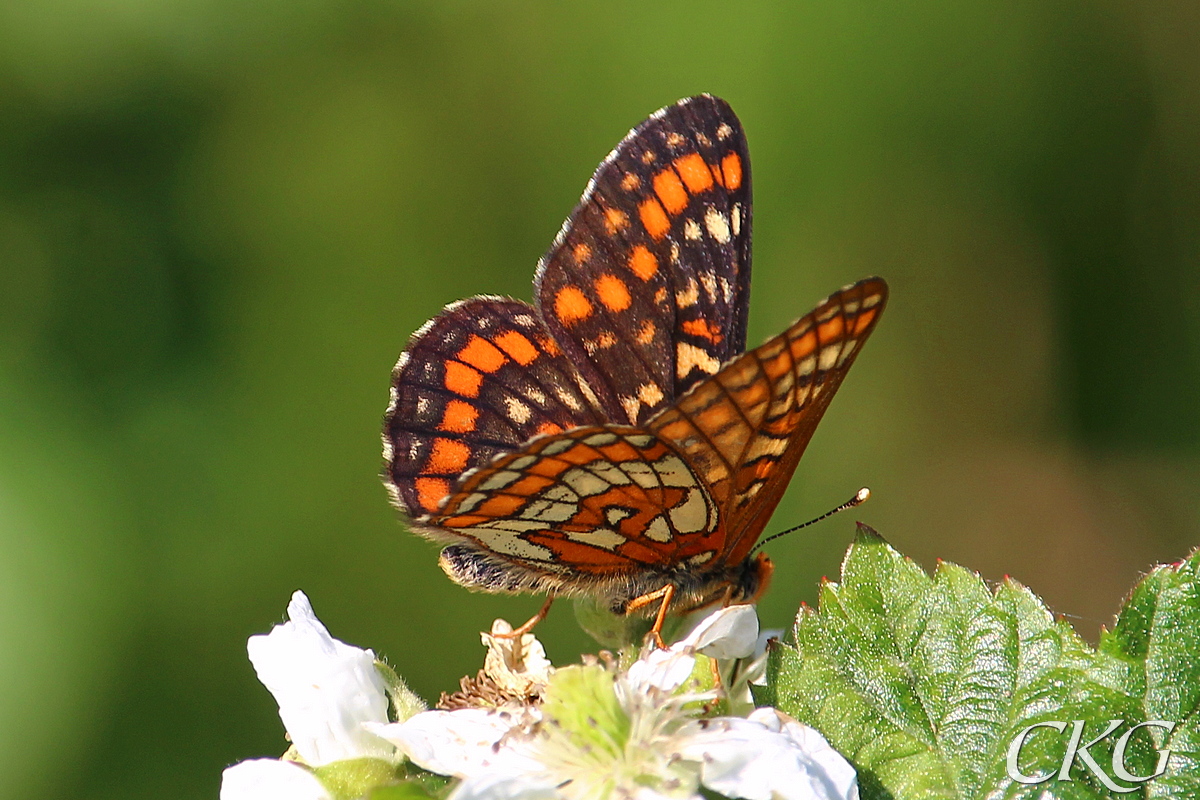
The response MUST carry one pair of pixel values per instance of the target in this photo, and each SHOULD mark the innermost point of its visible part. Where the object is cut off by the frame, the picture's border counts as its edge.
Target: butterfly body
(614, 439)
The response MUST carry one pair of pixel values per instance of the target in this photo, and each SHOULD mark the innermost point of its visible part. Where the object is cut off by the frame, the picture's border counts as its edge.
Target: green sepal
(404, 701)
(354, 777)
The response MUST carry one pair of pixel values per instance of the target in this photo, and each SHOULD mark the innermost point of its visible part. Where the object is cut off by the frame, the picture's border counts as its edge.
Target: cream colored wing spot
(509, 544)
(470, 502)
(499, 480)
(614, 514)
(687, 296)
(693, 515)
(599, 537)
(560, 494)
(718, 225)
(691, 230)
(549, 511)
(523, 462)
(650, 394)
(609, 472)
(640, 440)
(689, 357)
(631, 405)
(847, 351)
(658, 530)
(585, 484)
(642, 473)
(601, 439)
(829, 357)
(568, 399)
(557, 448)
(518, 412)
(735, 217)
(673, 472)
(701, 558)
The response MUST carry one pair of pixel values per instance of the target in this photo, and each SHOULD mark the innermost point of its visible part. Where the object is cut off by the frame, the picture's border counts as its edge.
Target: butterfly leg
(529, 623)
(667, 594)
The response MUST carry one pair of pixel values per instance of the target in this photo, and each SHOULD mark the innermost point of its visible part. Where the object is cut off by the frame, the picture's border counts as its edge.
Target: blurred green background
(220, 221)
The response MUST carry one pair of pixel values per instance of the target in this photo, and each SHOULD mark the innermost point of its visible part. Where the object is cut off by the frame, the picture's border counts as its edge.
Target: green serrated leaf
(925, 681)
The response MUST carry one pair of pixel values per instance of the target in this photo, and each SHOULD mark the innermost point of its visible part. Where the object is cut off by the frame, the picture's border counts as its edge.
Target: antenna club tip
(863, 495)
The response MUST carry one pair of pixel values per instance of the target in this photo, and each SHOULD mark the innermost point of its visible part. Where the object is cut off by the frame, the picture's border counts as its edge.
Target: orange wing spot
(670, 191)
(462, 379)
(731, 166)
(631, 181)
(459, 417)
(430, 492)
(615, 219)
(613, 292)
(518, 347)
(448, 456)
(832, 329)
(643, 263)
(703, 329)
(550, 346)
(805, 345)
(500, 505)
(462, 521)
(481, 354)
(549, 428)
(547, 467)
(695, 172)
(529, 485)
(645, 334)
(864, 319)
(654, 219)
(581, 252)
(570, 306)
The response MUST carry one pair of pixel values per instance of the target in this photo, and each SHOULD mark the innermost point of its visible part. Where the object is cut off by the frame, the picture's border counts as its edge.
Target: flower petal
(326, 689)
(518, 664)
(270, 779)
(763, 757)
(463, 743)
(505, 787)
(726, 633)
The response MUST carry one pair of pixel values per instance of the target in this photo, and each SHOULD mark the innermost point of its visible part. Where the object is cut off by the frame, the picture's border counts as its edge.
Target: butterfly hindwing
(592, 501)
(647, 287)
(481, 378)
(743, 430)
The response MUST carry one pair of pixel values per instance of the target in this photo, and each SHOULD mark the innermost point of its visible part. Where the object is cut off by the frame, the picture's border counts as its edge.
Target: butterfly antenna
(858, 499)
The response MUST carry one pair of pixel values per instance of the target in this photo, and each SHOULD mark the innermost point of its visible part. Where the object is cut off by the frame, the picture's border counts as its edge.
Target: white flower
(326, 689)
(633, 734)
(767, 756)
(269, 779)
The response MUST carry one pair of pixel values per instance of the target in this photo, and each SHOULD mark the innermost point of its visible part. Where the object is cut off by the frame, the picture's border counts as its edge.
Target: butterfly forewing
(743, 430)
(648, 285)
(481, 378)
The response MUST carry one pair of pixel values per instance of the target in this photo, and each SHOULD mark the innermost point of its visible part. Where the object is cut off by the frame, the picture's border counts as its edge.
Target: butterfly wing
(481, 378)
(584, 506)
(647, 286)
(744, 429)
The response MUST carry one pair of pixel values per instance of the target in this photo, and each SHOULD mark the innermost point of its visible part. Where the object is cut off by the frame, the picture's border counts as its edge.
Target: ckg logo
(1078, 750)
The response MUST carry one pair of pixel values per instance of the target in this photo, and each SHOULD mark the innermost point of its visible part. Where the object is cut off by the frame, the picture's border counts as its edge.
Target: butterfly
(614, 439)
